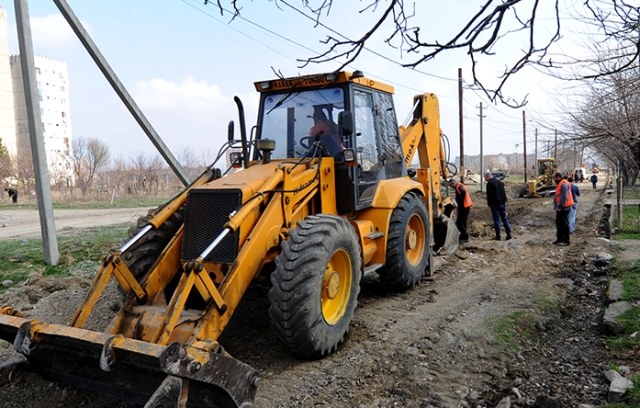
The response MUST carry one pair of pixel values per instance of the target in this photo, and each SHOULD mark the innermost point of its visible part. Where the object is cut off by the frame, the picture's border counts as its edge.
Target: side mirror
(345, 123)
(230, 131)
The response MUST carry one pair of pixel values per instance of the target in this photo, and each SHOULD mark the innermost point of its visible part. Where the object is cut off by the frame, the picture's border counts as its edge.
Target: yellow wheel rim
(336, 286)
(415, 239)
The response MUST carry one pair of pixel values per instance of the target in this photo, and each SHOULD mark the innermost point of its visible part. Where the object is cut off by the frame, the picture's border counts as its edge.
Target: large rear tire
(408, 244)
(316, 285)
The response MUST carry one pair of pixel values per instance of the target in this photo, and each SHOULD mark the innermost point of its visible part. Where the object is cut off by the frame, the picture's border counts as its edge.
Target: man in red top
(463, 199)
(326, 131)
(562, 204)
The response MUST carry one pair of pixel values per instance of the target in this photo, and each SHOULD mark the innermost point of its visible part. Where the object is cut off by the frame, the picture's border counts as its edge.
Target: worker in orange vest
(463, 199)
(562, 204)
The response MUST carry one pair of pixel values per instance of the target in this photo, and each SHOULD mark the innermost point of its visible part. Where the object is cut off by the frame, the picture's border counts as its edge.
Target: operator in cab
(326, 131)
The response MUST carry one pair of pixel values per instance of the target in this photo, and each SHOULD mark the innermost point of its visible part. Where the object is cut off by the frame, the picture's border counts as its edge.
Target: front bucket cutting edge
(132, 370)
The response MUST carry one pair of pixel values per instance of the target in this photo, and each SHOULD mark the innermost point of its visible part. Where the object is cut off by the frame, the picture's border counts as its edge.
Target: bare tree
(6, 168)
(608, 121)
(534, 23)
(89, 156)
(23, 167)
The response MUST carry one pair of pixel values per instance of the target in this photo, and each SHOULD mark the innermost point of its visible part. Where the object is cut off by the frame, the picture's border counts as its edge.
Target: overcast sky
(183, 63)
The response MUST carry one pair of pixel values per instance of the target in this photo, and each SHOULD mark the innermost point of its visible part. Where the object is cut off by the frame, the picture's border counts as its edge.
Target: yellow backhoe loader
(542, 184)
(325, 194)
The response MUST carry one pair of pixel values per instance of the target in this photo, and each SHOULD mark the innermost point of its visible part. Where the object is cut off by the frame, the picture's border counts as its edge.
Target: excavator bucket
(445, 235)
(132, 370)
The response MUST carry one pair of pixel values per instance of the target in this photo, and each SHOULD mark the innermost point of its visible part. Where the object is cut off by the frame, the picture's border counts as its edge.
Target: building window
(37, 70)
(61, 76)
(40, 98)
(62, 87)
(63, 101)
(64, 115)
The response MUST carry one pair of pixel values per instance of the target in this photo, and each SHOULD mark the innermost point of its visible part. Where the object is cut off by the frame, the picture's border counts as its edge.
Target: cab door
(377, 142)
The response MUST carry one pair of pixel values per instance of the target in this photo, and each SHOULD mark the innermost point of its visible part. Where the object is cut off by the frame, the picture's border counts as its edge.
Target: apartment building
(53, 94)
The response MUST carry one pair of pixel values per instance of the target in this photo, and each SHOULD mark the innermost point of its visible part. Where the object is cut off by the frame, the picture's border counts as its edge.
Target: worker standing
(575, 191)
(13, 194)
(497, 201)
(594, 180)
(463, 200)
(562, 204)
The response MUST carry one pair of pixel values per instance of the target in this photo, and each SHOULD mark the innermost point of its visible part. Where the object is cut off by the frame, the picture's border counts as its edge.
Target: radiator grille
(207, 212)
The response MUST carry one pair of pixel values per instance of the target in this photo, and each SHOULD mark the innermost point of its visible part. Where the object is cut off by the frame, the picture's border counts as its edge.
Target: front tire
(316, 285)
(408, 244)
(142, 255)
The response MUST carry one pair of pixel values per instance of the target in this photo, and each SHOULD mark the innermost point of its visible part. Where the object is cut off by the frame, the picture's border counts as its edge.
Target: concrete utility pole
(536, 147)
(461, 114)
(128, 101)
(555, 148)
(524, 136)
(481, 152)
(36, 135)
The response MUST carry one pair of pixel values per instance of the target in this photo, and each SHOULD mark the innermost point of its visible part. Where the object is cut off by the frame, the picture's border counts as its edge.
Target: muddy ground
(432, 346)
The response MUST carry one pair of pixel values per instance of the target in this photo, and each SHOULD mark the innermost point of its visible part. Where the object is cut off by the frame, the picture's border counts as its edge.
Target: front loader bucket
(445, 235)
(132, 370)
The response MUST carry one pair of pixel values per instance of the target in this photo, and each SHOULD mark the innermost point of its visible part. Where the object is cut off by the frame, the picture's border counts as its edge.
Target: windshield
(291, 118)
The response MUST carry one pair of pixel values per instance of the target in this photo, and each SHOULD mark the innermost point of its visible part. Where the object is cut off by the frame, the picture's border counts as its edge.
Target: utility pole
(524, 137)
(36, 135)
(481, 152)
(574, 153)
(555, 150)
(120, 90)
(461, 113)
(536, 146)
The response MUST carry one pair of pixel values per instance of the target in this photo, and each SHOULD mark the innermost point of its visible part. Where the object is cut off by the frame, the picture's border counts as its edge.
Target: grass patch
(512, 330)
(632, 396)
(81, 252)
(79, 205)
(631, 323)
(630, 228)
(630, 277)
(545, 303)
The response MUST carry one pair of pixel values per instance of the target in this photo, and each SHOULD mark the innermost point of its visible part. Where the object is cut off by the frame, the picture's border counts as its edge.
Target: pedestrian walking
(594, 180)
(497, 202)
(13, 194)
(463, 200)
(575, 191)
(562, 204)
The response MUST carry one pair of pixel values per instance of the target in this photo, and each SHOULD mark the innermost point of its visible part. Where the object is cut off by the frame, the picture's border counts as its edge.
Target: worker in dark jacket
(13, 194)
(497, 201)
(463, 200)
(562, 204)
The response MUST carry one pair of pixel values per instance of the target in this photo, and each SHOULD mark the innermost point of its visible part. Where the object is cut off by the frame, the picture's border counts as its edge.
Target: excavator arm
(424, 136)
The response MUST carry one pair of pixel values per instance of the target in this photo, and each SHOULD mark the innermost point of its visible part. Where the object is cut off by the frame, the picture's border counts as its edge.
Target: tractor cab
(344, 116)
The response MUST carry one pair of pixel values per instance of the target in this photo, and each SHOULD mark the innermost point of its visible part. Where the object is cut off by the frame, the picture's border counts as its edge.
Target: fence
(627, 213)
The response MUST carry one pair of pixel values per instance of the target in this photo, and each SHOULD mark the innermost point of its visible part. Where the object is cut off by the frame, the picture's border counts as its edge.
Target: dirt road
(432, 346)
(26, 223)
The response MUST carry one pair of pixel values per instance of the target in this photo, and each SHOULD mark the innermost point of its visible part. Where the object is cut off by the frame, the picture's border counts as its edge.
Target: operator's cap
(452, 181)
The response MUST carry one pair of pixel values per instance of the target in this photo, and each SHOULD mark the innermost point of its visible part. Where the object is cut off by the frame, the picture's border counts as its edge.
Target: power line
(314, 51)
